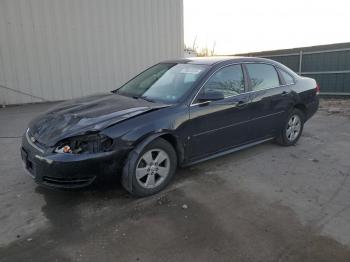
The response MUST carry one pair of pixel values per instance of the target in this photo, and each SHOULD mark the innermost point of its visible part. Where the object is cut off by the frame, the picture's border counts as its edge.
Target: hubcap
(293, 127)
(152, 168)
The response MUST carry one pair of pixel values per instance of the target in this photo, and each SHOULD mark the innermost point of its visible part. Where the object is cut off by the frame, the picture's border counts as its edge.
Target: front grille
(67, 181)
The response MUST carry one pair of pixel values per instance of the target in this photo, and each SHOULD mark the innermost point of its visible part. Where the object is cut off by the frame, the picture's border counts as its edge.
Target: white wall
(60, 49)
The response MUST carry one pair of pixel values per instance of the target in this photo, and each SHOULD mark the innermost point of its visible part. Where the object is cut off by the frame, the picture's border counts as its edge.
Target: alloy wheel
(293, 128)
(152, 168)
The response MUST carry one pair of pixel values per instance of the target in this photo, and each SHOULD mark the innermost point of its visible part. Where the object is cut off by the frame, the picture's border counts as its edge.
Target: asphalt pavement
(267, 203)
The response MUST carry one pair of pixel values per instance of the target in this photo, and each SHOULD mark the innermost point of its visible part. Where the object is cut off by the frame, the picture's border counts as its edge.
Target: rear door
(219, 125)
(270, 99)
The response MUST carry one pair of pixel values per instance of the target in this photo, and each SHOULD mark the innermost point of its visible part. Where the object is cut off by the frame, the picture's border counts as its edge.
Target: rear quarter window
(288, 79)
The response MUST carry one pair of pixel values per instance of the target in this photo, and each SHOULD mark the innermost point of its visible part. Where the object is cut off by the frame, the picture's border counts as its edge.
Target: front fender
(126, 178)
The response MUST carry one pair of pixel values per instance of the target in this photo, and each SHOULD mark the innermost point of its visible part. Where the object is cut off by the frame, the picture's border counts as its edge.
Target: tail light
(317, 89)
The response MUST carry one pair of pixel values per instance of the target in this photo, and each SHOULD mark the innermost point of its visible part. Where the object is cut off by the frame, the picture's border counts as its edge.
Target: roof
(211, 60)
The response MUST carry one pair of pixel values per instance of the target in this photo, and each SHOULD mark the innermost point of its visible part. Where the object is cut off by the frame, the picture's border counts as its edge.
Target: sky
(252, 25)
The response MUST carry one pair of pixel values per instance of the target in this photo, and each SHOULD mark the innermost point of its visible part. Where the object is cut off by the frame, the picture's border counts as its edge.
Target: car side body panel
(219, 125)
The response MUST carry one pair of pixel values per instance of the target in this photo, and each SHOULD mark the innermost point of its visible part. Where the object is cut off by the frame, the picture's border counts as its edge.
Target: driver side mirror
(210, 95)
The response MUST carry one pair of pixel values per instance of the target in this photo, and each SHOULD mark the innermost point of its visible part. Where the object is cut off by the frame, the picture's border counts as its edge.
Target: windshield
(166, 83)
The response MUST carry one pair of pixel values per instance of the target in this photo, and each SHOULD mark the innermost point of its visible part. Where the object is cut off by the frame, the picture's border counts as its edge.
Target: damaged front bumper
(68, 170)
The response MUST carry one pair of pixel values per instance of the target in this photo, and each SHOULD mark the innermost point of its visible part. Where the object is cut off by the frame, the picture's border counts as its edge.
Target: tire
(154, 168)
(291, 132)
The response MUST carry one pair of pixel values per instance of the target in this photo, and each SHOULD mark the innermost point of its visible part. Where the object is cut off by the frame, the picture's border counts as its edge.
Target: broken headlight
(94, 143)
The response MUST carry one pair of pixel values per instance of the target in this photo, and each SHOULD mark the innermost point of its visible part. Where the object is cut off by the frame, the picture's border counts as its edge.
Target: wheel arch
(302, 108)
(126, 177)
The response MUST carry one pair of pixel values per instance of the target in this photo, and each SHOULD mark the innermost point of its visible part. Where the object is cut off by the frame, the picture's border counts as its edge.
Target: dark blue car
(176, 113)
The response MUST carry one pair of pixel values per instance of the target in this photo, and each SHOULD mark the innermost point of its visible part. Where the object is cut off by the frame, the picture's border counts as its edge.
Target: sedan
(175, 113)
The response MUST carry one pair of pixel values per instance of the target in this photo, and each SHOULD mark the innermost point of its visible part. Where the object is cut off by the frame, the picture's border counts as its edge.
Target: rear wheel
(154, 168)
(292, 128)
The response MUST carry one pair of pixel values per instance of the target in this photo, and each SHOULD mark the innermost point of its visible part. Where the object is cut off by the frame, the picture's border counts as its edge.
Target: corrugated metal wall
(60, 49)
(328, 64)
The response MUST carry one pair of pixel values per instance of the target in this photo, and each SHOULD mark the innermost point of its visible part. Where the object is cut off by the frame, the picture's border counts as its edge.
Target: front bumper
(69, 170)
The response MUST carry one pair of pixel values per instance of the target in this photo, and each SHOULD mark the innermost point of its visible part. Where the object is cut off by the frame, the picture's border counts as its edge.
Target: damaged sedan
(176, 113)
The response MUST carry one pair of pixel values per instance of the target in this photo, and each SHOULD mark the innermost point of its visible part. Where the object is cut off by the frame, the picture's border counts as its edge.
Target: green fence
(328, 64)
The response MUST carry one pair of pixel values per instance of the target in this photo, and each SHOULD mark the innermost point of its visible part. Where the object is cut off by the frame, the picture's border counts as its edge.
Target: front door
(221, 124)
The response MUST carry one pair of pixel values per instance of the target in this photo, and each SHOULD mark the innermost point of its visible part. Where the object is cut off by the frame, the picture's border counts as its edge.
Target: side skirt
(229, 151)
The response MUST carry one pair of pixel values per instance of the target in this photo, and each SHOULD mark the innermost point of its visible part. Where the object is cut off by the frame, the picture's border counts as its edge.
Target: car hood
(87, 114)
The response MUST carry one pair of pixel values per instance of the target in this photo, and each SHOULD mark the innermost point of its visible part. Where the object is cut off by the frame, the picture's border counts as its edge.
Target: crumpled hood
(92, 113)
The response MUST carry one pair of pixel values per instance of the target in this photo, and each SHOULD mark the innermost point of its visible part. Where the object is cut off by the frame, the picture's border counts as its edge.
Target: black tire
(285, 140)
(157, 144)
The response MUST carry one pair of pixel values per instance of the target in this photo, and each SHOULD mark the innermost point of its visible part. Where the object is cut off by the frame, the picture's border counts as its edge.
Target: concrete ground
(267, 203)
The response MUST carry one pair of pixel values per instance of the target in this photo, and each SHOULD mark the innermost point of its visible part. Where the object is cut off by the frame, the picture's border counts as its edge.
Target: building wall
(328, 64)
(61, 49)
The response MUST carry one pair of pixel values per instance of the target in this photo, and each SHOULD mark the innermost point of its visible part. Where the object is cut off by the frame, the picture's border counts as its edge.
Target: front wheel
(292, 129)
(154, 168)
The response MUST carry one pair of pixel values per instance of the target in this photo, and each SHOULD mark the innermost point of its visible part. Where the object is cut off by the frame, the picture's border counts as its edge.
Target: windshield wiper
(144, 98)
(147, 99)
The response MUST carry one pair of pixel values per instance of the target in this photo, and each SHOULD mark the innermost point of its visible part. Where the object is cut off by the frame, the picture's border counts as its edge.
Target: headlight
(94, 143)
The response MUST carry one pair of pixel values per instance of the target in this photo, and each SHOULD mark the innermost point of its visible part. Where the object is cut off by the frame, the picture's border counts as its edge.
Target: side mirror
(210, 95)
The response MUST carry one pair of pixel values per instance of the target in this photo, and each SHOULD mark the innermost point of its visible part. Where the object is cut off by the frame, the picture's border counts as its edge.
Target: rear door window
(262, 76)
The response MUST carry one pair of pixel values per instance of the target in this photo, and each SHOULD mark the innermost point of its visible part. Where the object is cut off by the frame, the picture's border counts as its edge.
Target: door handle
(284, 93)
(241, 103)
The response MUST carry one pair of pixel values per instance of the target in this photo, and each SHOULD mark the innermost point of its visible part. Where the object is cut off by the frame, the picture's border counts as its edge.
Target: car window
(262, 76)
(288, 79)
(228, 80)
